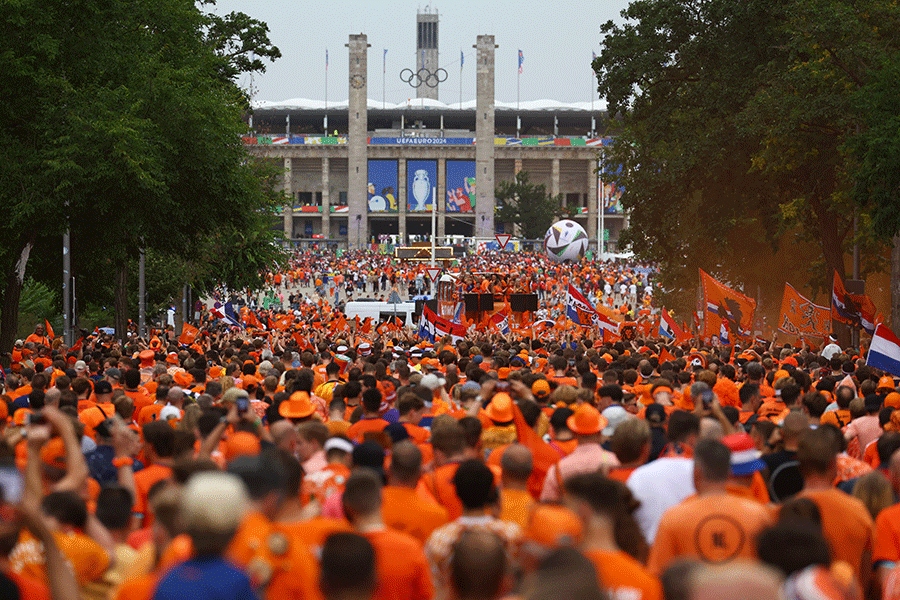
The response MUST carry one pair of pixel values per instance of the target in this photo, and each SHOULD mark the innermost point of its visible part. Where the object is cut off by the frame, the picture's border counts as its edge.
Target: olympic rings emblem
(423, 76)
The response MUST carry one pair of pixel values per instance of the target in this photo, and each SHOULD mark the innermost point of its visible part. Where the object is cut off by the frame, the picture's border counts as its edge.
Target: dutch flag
(884, 353)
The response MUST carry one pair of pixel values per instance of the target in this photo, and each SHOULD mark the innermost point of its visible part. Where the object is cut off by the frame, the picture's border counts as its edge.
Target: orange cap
(148, 358)
(886, 383)
(586, 420)
(54, 453)
(248, 380)
(500, 408)
(242, 443)
(182, 378)
(298, 406)
(503, 373)
(540, 388)
(780, 374)
(892, 400)
(552, 526)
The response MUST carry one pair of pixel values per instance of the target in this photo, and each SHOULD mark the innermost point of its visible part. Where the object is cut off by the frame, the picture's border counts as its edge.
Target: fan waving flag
(799, 316)
(670, 329)
(48, 329)
(188, 334)
(433, 327)
(521, 61)
(500, 321)
(884, 353)
(726, 311)
(580, 311)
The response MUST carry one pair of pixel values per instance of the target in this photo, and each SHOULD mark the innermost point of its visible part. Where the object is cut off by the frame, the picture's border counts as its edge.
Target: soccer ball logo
(565, 240)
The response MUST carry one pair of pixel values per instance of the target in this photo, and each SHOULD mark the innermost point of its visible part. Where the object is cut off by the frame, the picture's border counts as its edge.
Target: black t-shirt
(785, 479)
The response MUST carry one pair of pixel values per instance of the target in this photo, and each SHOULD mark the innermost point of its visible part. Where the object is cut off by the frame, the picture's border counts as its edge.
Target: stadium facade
(364, 171)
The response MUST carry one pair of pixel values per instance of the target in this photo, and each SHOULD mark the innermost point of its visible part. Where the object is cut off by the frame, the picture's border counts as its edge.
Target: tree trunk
(121, 300)
(15, 280)
(833, 252)
(895, 285)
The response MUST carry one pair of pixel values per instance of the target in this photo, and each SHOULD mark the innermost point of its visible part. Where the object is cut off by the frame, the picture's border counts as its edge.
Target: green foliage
(38, 302)
(735, 124)
(528, 206)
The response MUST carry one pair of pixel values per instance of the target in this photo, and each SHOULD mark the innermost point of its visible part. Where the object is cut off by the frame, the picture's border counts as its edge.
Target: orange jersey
(624, 577)
(361, 427)
(847, 526)
(143, 481)
(718, 528)
(403, 572)
(515, 506)
(405, 510)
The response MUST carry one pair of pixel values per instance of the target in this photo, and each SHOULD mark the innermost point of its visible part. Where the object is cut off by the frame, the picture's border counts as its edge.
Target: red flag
(188, 334)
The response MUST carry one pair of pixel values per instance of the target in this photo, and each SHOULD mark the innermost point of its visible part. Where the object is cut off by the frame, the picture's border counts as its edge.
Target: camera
(36, 418)
(243, 405)
(707, 398)
(502, 386)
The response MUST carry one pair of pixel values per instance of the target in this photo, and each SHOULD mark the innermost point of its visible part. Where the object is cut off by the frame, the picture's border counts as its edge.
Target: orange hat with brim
(242, 443)
(298, 406)
(500, 409)
(148, 358)
(172, 358)
(586, 420)
(552, 526)
(886, 383)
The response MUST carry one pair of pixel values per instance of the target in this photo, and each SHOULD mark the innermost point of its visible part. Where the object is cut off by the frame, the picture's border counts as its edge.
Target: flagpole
(383, 75)
(461, 60)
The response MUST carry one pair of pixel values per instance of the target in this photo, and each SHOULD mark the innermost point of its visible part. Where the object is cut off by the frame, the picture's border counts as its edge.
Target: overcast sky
(556, 38)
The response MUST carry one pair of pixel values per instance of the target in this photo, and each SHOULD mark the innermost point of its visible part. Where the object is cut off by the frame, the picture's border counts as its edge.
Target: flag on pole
(326, 59)
(580, 311)
(433, 327)
(384, 62)
(48, 329)
(669, 328)
(856, 310)
(799, 316)
(462, 59)
(725, 310)
(884, 353)
(521, 61)
(500, 321)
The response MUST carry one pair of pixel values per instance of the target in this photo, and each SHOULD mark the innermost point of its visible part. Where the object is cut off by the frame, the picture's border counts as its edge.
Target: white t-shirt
(659, 486)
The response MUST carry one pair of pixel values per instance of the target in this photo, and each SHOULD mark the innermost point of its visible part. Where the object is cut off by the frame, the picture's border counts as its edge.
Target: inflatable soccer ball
(565, 240)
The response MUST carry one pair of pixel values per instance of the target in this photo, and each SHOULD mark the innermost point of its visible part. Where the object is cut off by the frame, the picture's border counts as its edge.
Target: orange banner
(188, 334)
(799, 316)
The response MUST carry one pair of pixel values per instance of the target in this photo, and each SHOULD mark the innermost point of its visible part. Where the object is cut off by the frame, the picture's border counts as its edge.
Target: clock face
(357, 81)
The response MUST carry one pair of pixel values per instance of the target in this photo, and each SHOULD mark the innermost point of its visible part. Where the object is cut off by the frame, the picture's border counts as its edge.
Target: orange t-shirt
(847, 526)
(29, 588)
(405, 510)
(88, 558)
(149, 413)
(717, 528)
(314, 532)
(140, 398)
(291, 573)
(624, 577)
(887, 535)
(840, 418)
(361, 427)
(515, 506)
(403, 572)
(143, 481)
(419, 435)
(439, 484)
(96, 415)
(140, 588)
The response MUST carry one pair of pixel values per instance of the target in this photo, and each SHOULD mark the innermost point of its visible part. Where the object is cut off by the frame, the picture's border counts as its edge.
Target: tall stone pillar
(401, 200)
(484, 137)
(326, 198)
(441, 199)
(288, 211)
(357, 134)
(554, 178)
(592, 200)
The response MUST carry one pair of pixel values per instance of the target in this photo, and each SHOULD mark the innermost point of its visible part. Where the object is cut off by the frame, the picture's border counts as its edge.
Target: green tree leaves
(528, 206)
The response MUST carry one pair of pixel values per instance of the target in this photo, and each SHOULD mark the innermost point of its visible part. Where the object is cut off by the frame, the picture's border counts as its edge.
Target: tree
(131, 135)
(731, 120)
(528, 206)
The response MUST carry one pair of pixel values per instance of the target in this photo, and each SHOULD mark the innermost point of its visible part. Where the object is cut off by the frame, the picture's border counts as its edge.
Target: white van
(382, 311)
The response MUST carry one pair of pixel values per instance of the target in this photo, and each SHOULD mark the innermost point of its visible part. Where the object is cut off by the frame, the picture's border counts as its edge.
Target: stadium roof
(301, 104)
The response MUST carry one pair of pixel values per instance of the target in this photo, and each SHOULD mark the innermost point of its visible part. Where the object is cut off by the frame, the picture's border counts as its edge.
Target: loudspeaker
(523, 302)
(478, 302)
(432, 304)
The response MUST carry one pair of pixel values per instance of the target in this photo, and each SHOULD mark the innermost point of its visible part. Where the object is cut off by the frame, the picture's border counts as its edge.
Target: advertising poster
(461, 186)
(421, 177)
(382, 186)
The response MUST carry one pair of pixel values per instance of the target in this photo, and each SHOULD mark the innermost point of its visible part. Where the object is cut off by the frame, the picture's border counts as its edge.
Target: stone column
(554, 178)
(357, 201)
(517, 166)
(592, 200)
(441, 198)
(484, 137)
(326, 198)
(401, 200)
(288, 210)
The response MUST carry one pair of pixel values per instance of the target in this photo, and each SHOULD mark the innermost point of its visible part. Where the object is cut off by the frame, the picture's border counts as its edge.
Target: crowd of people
(302, 456)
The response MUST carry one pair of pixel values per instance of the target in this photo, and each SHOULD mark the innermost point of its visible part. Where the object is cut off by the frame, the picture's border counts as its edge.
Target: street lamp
(358, 225)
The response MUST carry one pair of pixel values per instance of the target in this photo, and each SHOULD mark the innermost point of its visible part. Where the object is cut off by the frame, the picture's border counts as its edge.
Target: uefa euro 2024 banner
(421, 179)
(382, 186)
(461, 186)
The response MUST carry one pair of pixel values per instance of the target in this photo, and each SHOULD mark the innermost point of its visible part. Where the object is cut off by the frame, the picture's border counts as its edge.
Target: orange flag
(725, 309)
(188, 334)
(284, 322)
(49, 329)
(799, 316)
(665, 356)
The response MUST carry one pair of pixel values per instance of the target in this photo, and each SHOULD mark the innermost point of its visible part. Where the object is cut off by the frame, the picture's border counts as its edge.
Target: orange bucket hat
(586, 420)
(500, 409)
